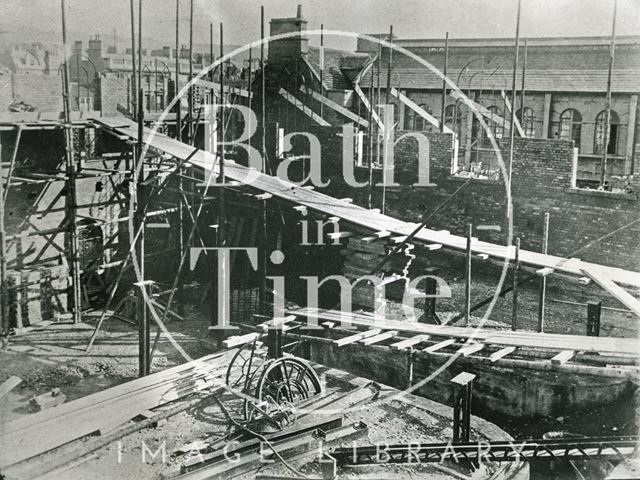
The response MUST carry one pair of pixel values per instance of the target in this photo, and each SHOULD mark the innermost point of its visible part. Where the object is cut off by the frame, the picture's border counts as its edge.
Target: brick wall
(41, 91)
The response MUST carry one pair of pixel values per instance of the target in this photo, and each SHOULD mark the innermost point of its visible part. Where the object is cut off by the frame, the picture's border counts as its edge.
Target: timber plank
(357, 337)
(440, 345)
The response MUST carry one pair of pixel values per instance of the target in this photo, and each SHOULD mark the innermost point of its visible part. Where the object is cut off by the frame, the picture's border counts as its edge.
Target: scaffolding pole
(262, 289)
(605, 140)
(71, 201)
(4, 310)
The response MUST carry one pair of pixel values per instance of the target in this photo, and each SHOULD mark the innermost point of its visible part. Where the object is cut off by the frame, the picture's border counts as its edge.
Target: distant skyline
(40, 19)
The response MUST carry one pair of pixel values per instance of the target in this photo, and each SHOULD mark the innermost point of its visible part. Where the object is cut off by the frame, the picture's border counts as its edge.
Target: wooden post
(144, 330)
(388, 92)
(462, 393)
(263, 241)
(467, 276)
(71, 200)
(522, 91)
(593, 318)
(430, 288)
(543, 279)
(190, 96)
(516, 274)
(134, 90)
(410, 355)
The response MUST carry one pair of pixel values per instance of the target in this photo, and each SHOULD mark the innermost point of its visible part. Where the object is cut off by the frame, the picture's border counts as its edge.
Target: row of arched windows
(570, 128)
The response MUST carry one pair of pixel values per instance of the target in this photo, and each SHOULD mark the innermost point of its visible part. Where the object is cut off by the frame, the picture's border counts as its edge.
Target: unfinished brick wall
(41, 91)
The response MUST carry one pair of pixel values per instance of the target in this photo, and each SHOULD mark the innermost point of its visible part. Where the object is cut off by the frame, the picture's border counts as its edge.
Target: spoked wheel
(283, 383)
(245, 363)
(245, 366)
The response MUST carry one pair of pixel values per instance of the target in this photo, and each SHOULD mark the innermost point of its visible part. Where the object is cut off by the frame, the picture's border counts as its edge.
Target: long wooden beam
(365, 102)
(516, 122)
(420, 111)
(303, 108)
(485, 112)
(333, 105)
(616, 291)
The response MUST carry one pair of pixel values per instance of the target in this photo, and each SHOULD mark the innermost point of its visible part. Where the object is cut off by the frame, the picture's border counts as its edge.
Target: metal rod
(513, 95)
(516, 274)
(134, 90)
(444, 79)
(467, 284)
(543, 279)
(605, 140)
(71, 201)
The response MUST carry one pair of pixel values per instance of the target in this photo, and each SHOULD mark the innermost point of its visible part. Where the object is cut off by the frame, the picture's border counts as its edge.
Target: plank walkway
(625, 347)
(368, 219)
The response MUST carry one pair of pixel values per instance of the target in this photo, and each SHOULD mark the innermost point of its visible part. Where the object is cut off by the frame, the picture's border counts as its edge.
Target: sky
(241, 18)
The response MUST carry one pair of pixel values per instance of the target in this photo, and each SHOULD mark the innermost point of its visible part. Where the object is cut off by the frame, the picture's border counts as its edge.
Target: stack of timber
(36, 294)
(104, 412)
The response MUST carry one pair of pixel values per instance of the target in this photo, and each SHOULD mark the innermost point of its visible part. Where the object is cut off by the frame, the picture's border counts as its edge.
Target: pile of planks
(104, 411)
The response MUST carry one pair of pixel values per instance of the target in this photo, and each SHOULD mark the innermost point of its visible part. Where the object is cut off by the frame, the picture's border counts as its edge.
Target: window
(496, 127)
(453, 118)
(527, 121)
(409, 119)
(612, 140)
(421, 123)
(570, 127)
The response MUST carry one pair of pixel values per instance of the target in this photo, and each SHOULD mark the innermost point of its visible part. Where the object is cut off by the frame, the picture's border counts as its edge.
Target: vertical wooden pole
(262, 291)
(222, 221)
(190, 97)
(71, 200)
(512, 117)
(543, 279)
(134, 90)
(389, 65)
(523, 83)
(370, 130)
(467, 284)
(141, 98)
(514, 298)
(4, 307)
(444, 80)
(177, 89)
(321, 68)
(144, 330)
(605, 140)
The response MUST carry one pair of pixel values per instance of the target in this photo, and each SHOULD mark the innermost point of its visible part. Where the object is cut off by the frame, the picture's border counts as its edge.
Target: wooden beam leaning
(333, 105)
(516, 122)
(357, 337)
(615, 290)
(420, 111)
(303, 108)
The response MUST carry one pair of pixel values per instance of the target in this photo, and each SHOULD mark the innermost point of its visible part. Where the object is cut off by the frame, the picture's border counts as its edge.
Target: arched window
(527, 121)
(453, 118)
(612, 140)
(570, 127)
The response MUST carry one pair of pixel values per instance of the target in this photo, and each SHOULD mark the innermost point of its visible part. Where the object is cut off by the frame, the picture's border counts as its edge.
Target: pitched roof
(340, 66)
